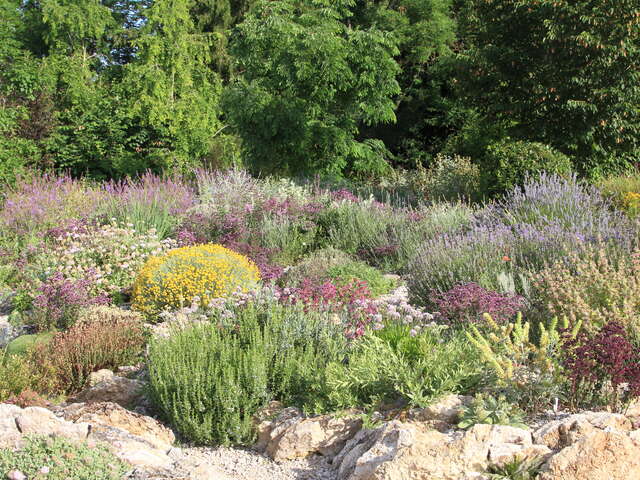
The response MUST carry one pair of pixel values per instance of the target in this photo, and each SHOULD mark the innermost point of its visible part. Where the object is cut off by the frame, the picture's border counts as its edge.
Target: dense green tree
(24, 109)
(170, 86)
(105, 88)
(426, 32)
(562, 72)
(309, 80)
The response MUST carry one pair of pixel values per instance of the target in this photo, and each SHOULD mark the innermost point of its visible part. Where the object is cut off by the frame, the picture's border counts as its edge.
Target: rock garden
(225, 327)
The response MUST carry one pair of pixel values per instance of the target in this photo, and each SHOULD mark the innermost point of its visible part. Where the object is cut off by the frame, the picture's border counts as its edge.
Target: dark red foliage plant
(603, 369)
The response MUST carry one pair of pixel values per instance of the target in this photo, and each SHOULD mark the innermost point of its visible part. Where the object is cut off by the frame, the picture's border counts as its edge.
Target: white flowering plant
(109, 255)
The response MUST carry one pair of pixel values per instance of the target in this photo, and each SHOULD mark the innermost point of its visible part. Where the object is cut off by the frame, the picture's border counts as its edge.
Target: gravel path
(240, 464)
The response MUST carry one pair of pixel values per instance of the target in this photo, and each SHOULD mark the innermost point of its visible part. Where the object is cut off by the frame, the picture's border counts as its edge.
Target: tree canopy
(344, 87)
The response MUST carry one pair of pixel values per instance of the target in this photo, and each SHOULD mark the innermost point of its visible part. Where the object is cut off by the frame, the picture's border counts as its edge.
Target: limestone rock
(6, 331)
(447, 409)
(325, 435)
(105, 386)
(634, 409)
(40, 421)
(111, 415)
(10, 436)
(8, 410)
(291, 435)
(103, 375)
(564, 432)
(601, 455)
(269, 429)
(401, 451)
(138, 440)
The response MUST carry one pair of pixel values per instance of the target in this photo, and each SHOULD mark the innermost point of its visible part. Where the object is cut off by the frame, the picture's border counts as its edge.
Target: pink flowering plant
(467, 302)
(395, 309)
(37, 204)
(352, 302)
(59, 300)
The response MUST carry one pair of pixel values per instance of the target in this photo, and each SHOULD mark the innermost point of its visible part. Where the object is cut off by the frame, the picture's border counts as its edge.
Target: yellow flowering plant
(631, 203)
(185, 275)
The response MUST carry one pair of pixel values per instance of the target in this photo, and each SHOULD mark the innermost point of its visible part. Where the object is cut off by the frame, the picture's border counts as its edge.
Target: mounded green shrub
(16, 375)
(330, 264)
(396, 364)
(377, 283)
(21, 344)
(507, 163)
(209, 381)
(449, 177)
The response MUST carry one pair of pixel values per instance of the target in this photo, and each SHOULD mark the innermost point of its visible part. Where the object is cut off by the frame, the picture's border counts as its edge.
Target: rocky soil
(424, 445)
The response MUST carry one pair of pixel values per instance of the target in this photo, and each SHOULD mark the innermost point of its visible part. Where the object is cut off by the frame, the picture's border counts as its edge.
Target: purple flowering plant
(59, 300)
(40, 203)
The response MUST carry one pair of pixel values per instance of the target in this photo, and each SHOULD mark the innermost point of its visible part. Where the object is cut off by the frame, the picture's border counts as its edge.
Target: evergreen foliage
(560, 72)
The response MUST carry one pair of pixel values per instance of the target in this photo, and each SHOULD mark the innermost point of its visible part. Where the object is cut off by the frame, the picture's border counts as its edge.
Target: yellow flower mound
(205, 271)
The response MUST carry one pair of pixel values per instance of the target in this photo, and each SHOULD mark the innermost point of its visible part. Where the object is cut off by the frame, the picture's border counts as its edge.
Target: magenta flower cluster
(60, 298)
(467, 302)
(353, 298)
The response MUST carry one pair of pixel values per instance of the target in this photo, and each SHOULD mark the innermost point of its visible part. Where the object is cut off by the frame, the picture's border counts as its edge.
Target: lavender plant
(150, 202)
(40, 203)
(561, 204)
(478, 255)
(538, 224)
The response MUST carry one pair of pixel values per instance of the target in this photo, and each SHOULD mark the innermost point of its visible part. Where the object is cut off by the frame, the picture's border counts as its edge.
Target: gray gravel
(241, 464)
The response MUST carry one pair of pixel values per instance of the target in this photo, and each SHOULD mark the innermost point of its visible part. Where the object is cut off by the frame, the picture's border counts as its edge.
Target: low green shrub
(209, 380)
(345, 274)
(507, 163)
(16, 375)
(21, 344)
(289, 237)
(449, 177)
(339, 268)
(315, 266)
(393, 364)
(56, 458)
